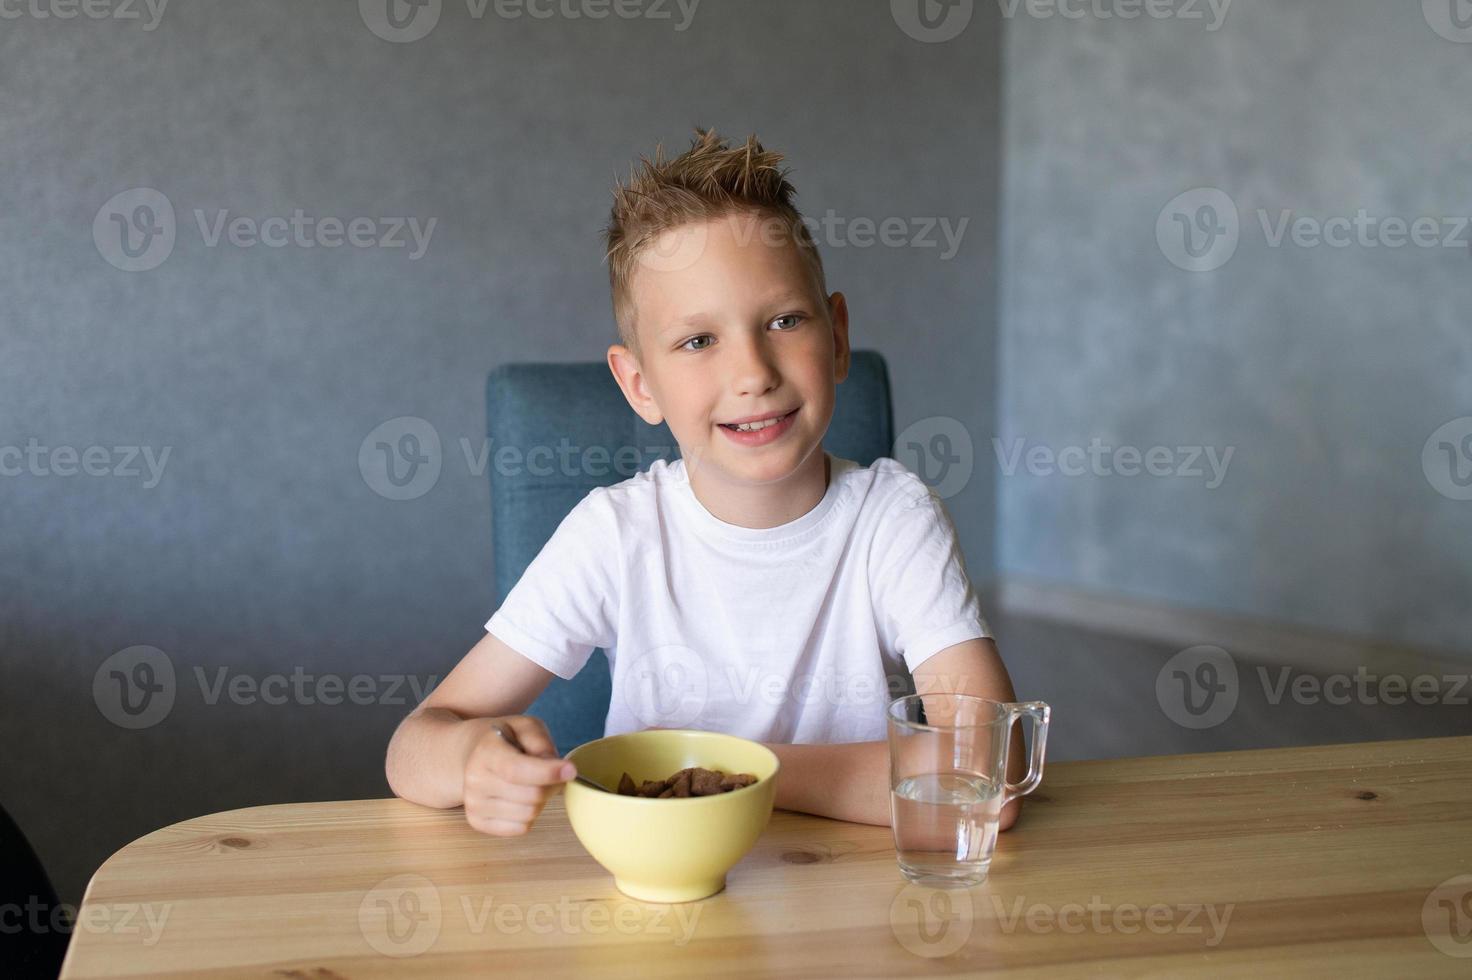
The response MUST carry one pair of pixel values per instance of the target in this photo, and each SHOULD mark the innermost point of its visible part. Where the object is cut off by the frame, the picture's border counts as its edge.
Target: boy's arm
(427, 754)
(850, 781)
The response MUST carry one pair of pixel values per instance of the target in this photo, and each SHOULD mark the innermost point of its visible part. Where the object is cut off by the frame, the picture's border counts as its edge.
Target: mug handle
(1039, 713)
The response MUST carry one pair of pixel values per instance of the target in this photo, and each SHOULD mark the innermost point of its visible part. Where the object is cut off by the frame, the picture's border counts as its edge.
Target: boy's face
(731, 326)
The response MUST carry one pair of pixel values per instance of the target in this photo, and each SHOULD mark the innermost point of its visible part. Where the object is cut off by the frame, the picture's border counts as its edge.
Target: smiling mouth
(758, 426)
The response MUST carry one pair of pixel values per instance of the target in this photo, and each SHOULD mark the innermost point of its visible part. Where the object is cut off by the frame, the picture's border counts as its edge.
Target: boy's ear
(838, 314)
(630, 378)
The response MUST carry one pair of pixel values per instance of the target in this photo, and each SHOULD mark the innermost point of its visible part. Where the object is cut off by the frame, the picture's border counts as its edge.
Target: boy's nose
(756, 372)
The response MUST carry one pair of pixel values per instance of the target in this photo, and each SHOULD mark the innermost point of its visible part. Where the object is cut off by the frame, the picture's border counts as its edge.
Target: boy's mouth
(761, 431)
(761, 422)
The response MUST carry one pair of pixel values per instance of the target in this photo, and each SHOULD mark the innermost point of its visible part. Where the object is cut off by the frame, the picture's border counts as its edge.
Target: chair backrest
(565, 429)
(31, 948)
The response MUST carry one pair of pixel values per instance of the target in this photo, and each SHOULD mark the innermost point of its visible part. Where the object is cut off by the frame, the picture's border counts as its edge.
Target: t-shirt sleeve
(565, 604)
(923, 597)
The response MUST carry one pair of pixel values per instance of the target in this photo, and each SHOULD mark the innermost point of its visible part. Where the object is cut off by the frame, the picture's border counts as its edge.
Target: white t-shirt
(800, 633)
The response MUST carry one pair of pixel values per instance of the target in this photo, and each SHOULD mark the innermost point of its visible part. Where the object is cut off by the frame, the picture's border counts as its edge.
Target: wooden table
(1335, 860)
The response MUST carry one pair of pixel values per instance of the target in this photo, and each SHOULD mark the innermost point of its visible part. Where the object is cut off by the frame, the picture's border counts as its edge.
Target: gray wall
(262, 549)
(1328, 369)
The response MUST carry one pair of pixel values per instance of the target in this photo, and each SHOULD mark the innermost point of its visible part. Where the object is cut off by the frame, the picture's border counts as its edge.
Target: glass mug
(948, 781)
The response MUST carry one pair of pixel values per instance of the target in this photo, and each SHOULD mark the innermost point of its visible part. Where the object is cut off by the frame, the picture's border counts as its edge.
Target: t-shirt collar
(782, 533)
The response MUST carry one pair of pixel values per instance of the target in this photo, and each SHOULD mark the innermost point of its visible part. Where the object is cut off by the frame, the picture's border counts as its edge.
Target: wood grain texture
(1318, 860)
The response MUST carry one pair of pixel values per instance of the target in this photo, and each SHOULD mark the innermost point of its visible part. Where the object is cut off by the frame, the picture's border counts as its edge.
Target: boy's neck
(766, 505)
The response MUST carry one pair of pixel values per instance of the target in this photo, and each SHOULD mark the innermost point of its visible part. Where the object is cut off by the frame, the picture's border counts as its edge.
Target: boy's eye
(696, 342)
(796, 318)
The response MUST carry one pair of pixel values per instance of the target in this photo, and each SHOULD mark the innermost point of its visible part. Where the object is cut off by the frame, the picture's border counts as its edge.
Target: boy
(756, 586)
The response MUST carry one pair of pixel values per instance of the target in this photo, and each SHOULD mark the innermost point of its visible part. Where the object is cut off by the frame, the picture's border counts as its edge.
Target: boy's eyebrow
(697, 319)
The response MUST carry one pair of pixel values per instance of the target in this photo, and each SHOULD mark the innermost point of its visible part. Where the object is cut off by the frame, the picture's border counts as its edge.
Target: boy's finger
(503, 809)
(492, 787)
(497, 828)
(495, 787)
(530, 734)
(531, 771)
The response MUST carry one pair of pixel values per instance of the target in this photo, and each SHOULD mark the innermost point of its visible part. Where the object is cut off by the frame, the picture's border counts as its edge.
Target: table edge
(186, 824)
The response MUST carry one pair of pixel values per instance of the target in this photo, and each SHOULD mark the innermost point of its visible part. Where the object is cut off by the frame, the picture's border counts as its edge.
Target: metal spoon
(510, 739)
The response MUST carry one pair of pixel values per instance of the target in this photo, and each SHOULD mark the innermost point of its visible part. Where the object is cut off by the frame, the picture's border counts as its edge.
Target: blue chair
(554, 415)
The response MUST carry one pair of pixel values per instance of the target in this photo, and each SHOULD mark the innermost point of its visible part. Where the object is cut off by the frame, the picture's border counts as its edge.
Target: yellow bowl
(670, 850)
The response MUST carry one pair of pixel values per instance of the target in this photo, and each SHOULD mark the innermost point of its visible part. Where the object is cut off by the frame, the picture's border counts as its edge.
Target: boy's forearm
(848, 781)
(426, 756)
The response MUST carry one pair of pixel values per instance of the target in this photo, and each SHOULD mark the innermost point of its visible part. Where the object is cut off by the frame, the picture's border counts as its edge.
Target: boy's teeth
(754, 426)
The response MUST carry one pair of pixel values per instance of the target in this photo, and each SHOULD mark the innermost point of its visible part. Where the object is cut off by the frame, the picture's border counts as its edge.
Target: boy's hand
(511, 770)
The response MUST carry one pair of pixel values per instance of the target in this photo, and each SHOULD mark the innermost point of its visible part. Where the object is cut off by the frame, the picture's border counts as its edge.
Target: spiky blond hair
(710, 180)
